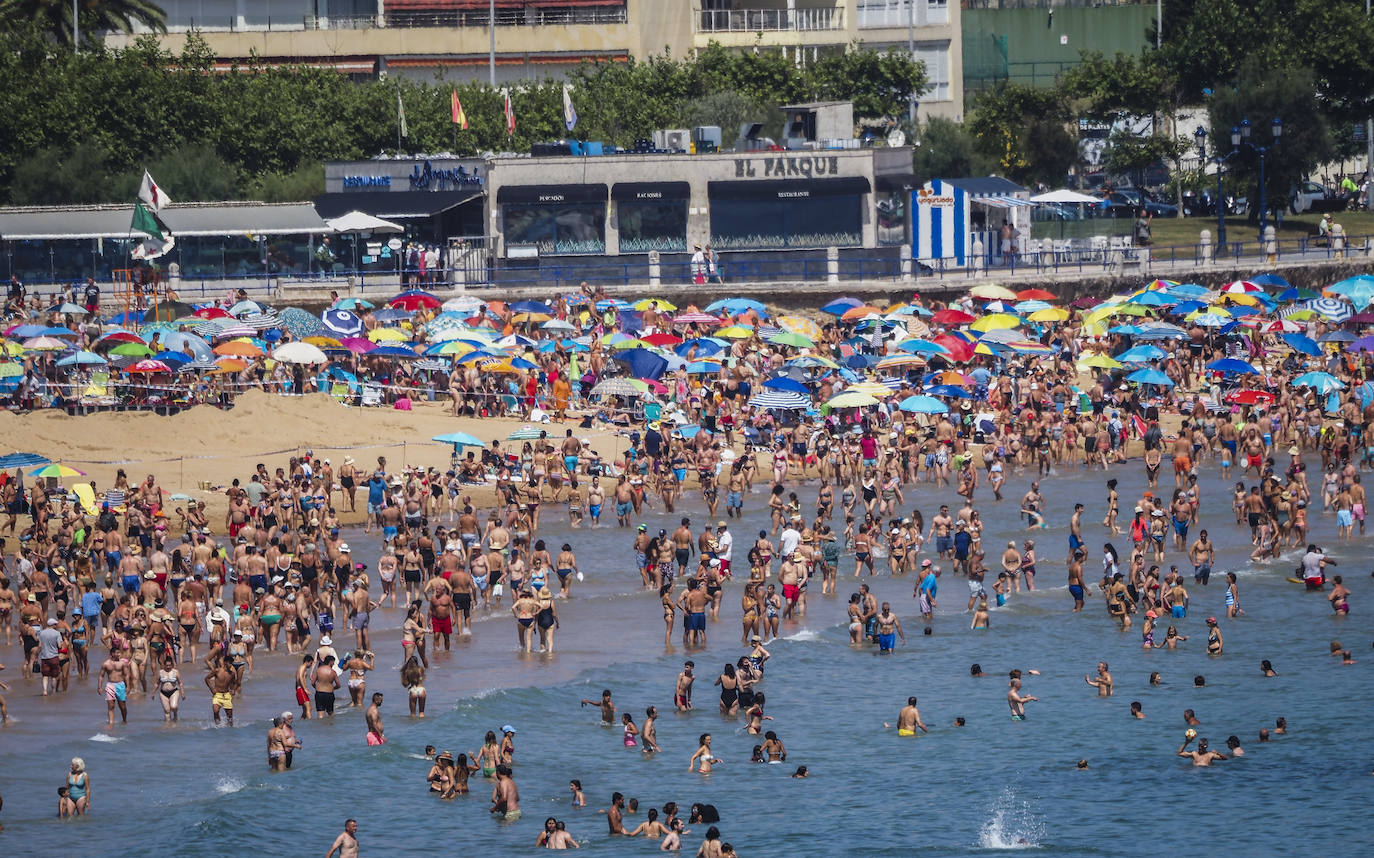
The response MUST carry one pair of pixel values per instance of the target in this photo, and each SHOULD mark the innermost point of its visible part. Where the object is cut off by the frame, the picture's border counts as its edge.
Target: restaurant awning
(551, 194)
(83, 222)
(1002, 202)
(789, 188)
(394, 204)
(650, 191)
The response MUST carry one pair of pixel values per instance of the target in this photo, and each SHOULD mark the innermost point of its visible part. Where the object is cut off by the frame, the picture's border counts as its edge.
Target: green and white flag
(157, 238)
(401, 113)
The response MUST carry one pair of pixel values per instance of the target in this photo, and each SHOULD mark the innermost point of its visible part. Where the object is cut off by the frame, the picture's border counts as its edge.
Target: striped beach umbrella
(780, 400)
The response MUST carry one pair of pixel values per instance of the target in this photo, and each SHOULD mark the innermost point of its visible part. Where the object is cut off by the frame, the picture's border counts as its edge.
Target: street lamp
(1276, 130)
(1200, 135)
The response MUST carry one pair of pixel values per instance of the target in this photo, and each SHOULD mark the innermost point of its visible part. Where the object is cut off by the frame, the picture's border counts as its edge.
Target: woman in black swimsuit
(729, 691)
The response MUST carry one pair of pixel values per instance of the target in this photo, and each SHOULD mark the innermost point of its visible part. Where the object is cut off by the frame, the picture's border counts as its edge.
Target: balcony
(894, 14)
(532, 15)
(769, 20)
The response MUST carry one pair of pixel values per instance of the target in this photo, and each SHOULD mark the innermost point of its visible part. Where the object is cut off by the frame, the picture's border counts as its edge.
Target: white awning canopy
(1064, 195)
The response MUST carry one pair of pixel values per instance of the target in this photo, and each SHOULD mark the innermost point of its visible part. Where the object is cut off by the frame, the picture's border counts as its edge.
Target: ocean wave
(1011, 825)
(227, 785)
(103, 737)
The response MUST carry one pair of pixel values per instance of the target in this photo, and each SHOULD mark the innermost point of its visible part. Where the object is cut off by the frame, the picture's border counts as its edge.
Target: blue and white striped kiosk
(949, 215)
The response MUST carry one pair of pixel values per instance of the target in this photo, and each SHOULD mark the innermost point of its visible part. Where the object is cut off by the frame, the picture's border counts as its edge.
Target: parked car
(1127, 201)
(1309, 196)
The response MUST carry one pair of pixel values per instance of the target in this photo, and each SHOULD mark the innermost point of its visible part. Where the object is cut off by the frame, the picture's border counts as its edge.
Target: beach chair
(372, 395)
(98, 391)
(339, 390)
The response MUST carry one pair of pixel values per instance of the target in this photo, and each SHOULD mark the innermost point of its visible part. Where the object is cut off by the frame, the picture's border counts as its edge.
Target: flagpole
(399, 108)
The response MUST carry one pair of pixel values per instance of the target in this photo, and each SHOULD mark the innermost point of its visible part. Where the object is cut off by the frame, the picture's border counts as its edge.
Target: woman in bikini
(170, 689)
(413, 680)
(489, 757)
(413, 636)
(750, 623)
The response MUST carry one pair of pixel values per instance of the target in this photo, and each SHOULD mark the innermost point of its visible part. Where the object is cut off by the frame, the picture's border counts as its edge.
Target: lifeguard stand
(141, 288)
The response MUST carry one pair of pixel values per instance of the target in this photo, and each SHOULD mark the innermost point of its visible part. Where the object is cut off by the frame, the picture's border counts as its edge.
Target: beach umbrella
(1084, 302)
(655, 304)
(1052, 314)
(465, 304)
(615, 387)
(702, 367)
(528, 318)
(922, 347)
(839, 306)
(735, 332)
(387, 335)
(1024, 308)
(1210, 320)
(705, 347)
(695, 318)
(1232, 366)
(812, 361)
(782, 400)
(459, 439)
(1273, 281)
(208, 313)
(262, 321)
(1160, 331)
(1029, 347)
(238, 348)
(662, 339)
(245, 308)
(393, 351)
(1321, 382)
(900, 360)
(791, 385)
(148, 366)
(948, 390)
(801, 325)
(958, 349)
(861, 312)
(1150, 376)
(557, 325)
(1142, 354)
(851, 399)
(66, 308)
(788, 338)
(131, 350)
(1151, 299)
(920, 404)
(1365, 318)
(1363, 344)
(57, 332)
(22, 460)
(1099, 361)
(950, 316)
(1241, 286)
(995, 322)
(301, 323)
(44, 344)
(1281, 326)
(200, 364)
(299, 352)
(173, 359)
(56, 471)
(1306, 345)
(643, 363)
(81, 358)
(24, 332)
(1359, 289)
(392, 314)
(993, 292)
(353, 304)
(1337, 337)
(1036, 295)
(414, 299)
(736, 306)
(858, 360)
(1296, 294)
(357, 345)
(1332, 308)
(1161, 284)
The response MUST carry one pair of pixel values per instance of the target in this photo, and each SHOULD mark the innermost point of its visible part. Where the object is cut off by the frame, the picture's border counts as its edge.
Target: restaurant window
(816, 221)
(557, 229)
(652, 225)
(892, 216)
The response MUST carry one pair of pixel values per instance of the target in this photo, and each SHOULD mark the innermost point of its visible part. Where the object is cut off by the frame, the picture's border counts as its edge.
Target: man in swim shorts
(909, 719)
(114, 673)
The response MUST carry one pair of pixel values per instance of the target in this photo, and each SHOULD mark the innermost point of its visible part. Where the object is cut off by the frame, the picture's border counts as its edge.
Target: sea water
(991, 786)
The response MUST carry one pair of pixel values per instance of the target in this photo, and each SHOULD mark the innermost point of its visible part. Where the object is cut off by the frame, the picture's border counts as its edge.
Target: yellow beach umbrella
(800, 325)
(387, 335)
(324, 342)
(1099, 361)
(656, 303)
(871, 388)
(735, 332)
(996, 322)
(1053, 314)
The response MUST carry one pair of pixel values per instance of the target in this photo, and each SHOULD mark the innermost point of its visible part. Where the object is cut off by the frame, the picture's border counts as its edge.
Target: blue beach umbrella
(459, 439)
(1142, 354)
(788, 384)
(840, 306)
(1150, 376)
(1322, 382)
(1232, 366)
(919, 404)
(1302, 344)
(779, 399)
(948, 390)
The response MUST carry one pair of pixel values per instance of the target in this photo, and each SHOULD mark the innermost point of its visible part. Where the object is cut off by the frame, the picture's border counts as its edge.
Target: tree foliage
(948, 150)
(53, 18)
(1024, 130)
(226, 134)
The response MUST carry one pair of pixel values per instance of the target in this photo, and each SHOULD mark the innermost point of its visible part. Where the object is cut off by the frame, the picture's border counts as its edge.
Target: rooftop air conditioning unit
(673, 139)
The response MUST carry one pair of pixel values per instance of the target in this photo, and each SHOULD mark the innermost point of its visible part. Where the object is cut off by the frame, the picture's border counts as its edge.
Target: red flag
(459, 117)
(510, 114)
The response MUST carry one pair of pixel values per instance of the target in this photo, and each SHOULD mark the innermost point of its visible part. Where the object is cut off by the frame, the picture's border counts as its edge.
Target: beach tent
(947, 215)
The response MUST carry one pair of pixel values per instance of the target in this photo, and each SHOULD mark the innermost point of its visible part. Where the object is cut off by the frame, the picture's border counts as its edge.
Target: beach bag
(402, 404)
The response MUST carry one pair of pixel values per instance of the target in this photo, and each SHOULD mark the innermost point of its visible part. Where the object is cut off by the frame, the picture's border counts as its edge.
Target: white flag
(569, 112)
(152, 194)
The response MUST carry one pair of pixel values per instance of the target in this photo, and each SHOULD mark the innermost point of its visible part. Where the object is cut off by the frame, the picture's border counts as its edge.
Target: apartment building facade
(455, 39)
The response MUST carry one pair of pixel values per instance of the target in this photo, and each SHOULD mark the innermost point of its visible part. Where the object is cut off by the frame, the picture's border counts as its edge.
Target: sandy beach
(207, 445)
